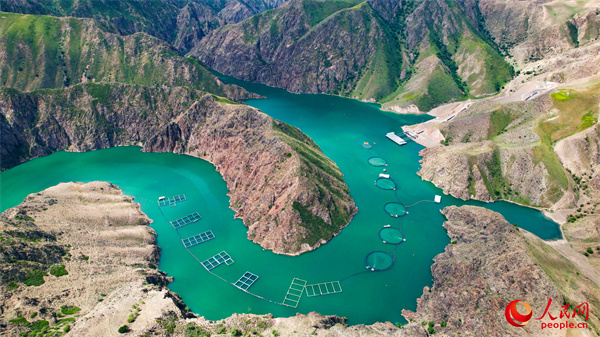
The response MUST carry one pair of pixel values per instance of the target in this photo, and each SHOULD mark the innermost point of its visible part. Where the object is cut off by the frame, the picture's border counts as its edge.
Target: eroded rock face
(475, 278)
(460, 175)
(291, 196)
(101, 240)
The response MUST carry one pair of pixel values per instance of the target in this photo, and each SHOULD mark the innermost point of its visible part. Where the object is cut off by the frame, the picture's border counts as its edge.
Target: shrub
(58, 271)
(123, 329)
(69, 309)
(34, 278)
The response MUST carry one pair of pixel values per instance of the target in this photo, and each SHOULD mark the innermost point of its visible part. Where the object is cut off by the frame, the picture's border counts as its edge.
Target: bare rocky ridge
(486, 267)
(109, 248)
(276, 175)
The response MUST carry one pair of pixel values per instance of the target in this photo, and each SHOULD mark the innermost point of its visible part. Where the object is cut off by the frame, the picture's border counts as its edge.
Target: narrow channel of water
(340, 126)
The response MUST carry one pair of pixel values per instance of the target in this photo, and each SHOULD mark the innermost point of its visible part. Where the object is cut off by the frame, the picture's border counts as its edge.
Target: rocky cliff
(395, 52)
(291, 197)
(487, 265)
(82, 246)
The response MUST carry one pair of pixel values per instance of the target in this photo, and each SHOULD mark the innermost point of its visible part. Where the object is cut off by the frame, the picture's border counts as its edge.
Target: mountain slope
(101, 90)
(38, 51)
(291, 196)
(179, 22)
(398, 53)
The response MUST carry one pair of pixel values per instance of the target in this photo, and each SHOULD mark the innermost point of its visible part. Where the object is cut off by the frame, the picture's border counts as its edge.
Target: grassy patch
(307, 148)
(575, 111)
(58, 271)
(19, 321)
(441, 88)
(224, 100)
(318, 11)
(588, 120)
(561, 96)
(496, 71)
(545, 154)
(34, 278)
(69, 309)
(499, 120)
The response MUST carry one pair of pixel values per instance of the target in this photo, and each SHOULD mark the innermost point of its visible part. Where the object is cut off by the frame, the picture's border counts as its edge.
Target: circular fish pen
(391, 235)
(377, 161)
(379, 261)
(385, 184)
(367, 145)
(395, 209)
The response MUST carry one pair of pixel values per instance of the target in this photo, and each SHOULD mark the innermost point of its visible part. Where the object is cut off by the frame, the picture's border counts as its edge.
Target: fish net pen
(367, 146)
(391, 235)
(377, 161)
(385, 183)
(395, 209)
(379, 261)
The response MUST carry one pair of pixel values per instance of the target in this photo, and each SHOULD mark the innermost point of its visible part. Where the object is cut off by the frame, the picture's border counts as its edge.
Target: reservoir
(340, 127)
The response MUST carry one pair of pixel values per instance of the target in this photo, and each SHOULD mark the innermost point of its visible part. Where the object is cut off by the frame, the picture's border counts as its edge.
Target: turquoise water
(340, 126)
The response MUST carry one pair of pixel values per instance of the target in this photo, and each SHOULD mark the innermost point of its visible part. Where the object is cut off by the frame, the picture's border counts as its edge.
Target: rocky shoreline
(112, 281)
(274, 172)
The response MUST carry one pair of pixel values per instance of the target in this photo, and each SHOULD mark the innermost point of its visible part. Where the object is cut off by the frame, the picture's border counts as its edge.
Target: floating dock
(186, 220)
(294, 293)
(217, 260)
(394, 138)
(198, 239)
(171, 201)
(325, 288)
(246, 281)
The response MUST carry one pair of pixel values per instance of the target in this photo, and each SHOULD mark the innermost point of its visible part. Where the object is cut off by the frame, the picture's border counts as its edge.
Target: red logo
(514, 317)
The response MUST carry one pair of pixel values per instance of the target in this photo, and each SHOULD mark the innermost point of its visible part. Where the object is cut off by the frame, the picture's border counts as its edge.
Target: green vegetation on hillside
(495, 72)
(575, 287)
(575, 110)
(446, 57)
(325, 176)
(317, 229)
(441, 88)
(499, 120)
(37, 255)
(318, 11)
(155, 17)
(49, 52)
